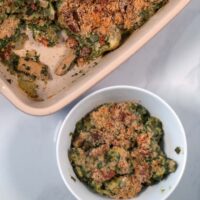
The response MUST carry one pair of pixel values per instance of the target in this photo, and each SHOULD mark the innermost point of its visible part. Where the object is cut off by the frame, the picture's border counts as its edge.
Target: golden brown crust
(100, 16)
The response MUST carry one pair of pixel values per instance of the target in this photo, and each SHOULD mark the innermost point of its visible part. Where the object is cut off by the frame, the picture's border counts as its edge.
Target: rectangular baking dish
(106, 65)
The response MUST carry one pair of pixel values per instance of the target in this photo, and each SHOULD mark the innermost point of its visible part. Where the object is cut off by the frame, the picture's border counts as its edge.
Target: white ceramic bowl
(174, 137)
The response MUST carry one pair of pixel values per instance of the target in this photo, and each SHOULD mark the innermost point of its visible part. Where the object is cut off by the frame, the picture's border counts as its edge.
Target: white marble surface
(168, 65)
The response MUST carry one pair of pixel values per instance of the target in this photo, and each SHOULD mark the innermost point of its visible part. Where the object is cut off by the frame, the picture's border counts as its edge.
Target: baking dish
(63, 96)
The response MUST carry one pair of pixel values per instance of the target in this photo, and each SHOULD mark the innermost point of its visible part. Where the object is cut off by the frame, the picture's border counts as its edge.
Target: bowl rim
(91, 95)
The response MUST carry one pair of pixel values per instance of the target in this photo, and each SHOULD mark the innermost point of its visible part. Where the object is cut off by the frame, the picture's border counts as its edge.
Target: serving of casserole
(53, 51)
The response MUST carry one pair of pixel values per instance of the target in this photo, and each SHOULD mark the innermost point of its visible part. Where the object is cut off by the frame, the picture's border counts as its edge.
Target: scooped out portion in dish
(117, 150)
(88, 29)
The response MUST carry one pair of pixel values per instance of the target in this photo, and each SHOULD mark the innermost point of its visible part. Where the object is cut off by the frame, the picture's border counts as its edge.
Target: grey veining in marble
(168, 65)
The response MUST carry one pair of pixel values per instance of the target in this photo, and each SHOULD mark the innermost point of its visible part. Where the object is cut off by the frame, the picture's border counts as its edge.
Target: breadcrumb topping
(8, 27)
(100, 15)
(116, 150)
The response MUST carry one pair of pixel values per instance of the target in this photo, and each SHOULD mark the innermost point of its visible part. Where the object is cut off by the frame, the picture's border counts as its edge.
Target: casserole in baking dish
(65, 87)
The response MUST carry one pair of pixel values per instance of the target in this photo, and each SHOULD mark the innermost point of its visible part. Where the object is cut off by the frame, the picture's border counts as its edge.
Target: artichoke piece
(33, 69)
(172, 165)
(114, 39)
(161, 167)
(47, 34)
(66, 64)
(155, 125)
(112, 42)
(52, 12)
(28, 86)
(31, 66)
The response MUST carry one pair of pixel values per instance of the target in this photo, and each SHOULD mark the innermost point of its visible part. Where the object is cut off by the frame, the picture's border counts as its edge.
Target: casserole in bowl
(89, 167)
(64, 90)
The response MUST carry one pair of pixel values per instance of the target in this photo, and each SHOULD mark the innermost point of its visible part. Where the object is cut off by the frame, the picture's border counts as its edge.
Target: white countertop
(168, 65)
